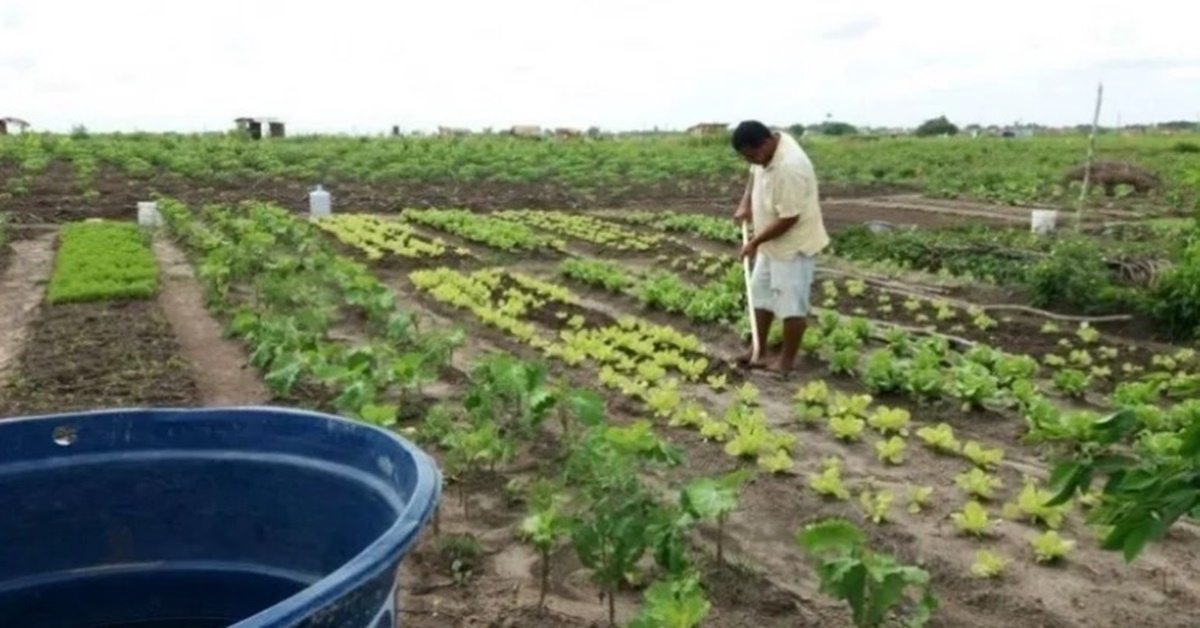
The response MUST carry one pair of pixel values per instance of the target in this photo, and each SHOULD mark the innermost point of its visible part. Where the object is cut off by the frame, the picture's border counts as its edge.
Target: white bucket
(147, 214)
(320, 204)
(1043, 221)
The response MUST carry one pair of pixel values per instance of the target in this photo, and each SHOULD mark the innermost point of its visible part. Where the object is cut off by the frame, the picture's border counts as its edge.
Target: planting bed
(99, 355)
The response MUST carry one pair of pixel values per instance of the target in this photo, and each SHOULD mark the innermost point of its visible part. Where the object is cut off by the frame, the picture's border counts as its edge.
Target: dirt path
(23, 283)
(222, 373)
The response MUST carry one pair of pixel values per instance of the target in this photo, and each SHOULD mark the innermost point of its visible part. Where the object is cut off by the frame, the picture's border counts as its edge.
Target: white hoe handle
(754, 352)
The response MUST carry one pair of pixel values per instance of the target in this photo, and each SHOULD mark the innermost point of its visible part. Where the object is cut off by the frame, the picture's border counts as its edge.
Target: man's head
(755, 142)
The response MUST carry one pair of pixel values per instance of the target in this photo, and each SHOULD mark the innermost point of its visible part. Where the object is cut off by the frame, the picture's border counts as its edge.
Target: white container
(320, 204)
(147, 214)
(1043, 221)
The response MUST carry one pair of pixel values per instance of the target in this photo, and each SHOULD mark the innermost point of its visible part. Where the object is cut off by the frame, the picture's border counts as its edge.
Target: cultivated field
(556, 322)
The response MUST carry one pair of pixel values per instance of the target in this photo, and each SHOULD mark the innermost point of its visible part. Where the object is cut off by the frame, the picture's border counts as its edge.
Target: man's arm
(777, 228)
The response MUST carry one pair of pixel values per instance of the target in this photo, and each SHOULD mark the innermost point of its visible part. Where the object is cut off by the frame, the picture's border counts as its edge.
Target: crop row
(283, 290)
(485, 229)
(1078, 360)
(377, 237)
(102, 261)
(718, 230)
(587, 228)
(987, 169)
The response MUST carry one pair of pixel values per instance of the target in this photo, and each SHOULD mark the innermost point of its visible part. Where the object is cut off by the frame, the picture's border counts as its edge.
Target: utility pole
(1091, 152)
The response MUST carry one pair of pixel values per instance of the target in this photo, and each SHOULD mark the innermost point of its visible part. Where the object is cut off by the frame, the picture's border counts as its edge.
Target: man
(781, 201)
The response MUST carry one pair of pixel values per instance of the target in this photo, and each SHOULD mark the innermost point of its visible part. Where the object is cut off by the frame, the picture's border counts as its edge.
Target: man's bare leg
(762, 322)
(793, 334)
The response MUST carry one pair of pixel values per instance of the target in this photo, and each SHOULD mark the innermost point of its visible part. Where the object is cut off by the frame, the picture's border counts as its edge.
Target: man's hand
(742, 214)
(750, 249)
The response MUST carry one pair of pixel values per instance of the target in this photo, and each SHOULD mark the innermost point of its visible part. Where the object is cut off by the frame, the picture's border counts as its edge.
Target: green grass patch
(102, 261)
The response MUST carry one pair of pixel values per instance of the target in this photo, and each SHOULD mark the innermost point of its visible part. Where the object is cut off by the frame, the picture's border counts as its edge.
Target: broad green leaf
(836, 535)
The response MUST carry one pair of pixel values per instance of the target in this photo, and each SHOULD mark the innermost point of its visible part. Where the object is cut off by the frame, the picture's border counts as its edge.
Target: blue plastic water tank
(243, 517)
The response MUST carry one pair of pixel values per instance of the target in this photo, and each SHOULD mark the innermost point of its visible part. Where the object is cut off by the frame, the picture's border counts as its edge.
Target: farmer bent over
(781, 201)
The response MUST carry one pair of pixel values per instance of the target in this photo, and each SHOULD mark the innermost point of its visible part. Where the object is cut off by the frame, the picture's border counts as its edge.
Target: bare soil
(91, 356)
(26, 269)
(56, 196)
(223, 375)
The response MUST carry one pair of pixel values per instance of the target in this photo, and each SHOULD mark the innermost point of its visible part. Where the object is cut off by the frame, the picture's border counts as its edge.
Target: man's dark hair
(750, 134)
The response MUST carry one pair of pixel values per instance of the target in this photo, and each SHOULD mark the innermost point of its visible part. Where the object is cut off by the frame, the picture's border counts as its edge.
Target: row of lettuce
(1156, 277)
(1150, 268)
(991, 169)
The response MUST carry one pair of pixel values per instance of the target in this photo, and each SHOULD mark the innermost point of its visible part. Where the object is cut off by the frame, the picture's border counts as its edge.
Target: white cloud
(363, 65)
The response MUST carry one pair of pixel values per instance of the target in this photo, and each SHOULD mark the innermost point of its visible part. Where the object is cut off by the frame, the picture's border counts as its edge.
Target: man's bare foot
(777, 370)
(746, 360)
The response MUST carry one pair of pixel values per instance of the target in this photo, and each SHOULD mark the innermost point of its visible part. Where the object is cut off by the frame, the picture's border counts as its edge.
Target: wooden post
(1091, 152)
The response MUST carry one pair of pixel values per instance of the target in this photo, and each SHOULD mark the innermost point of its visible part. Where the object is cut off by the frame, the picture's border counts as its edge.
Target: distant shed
(254, 127)
(13, 123)
(708, 128)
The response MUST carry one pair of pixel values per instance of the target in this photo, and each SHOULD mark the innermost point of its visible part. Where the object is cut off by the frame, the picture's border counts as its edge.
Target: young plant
(847, 428)
(988, 564)
(829, 481)
(777, 462)
(1032, 503)
(885, 373)
(891, 451)
(940, 439)
(747, 394)
(1049, 547)
(890, 421)
(876, 506)
(874, 585)
(469, 450)
(974, 385)
(978, 483)
(708, 498)
(544, 528)
(982, 457)
(812, 402)
(1072, 382)
(624, 518)
(675, 603)
(973, 519)
(918, 498)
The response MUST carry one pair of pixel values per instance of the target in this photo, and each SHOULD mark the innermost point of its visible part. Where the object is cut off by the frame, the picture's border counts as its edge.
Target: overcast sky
(363, 65)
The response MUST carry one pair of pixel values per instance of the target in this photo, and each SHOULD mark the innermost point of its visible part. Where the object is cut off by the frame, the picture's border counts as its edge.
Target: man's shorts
(783, 287)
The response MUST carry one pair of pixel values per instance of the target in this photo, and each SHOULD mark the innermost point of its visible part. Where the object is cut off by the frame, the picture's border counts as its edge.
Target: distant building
(254, 127)
(708, 128)
(15, 124)
(1017, 131)
(531, 131)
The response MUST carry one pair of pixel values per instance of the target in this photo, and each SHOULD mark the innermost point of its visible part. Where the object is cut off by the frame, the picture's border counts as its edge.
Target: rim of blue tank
(364, 566)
